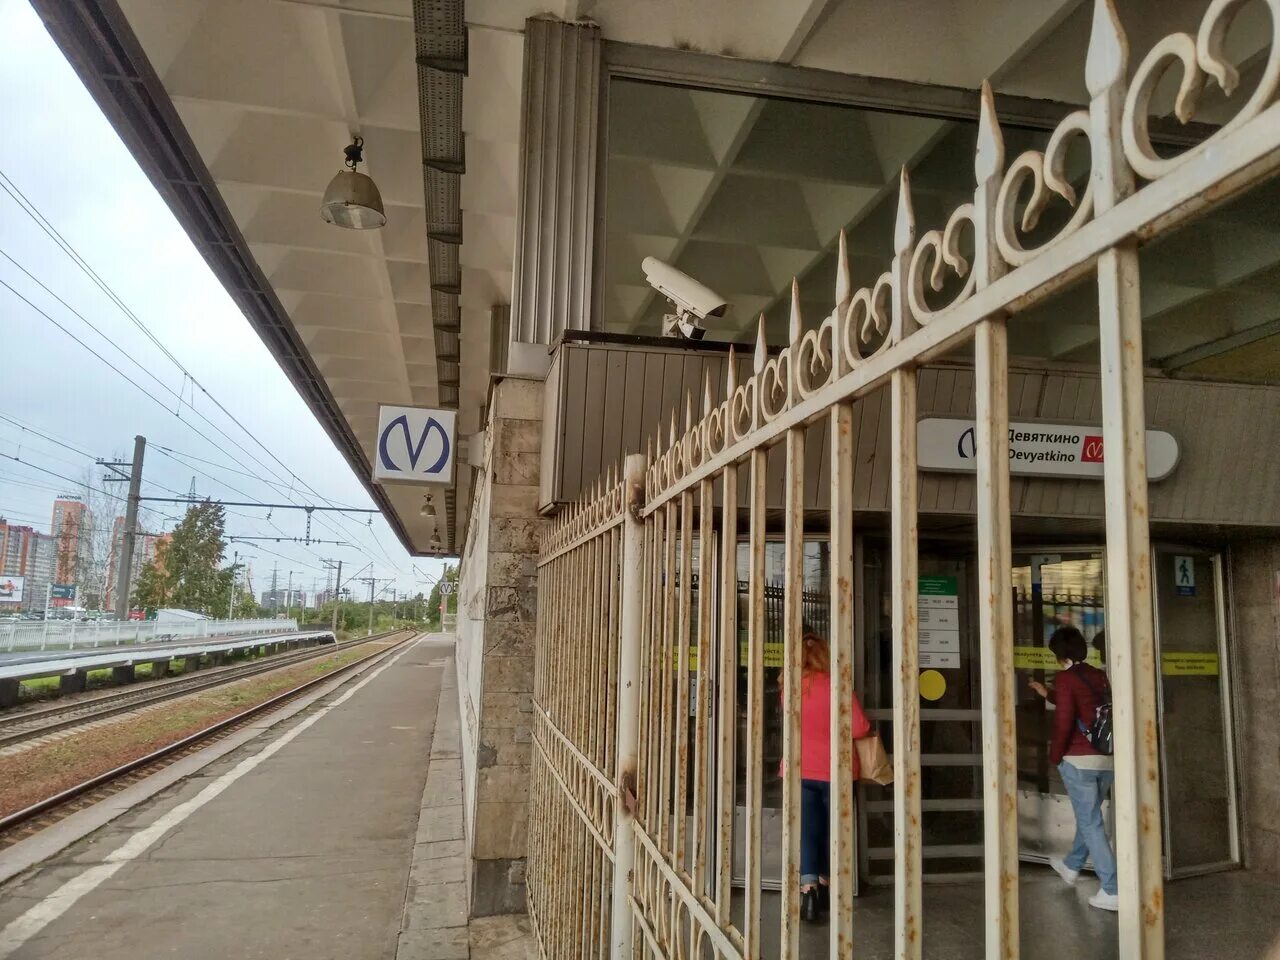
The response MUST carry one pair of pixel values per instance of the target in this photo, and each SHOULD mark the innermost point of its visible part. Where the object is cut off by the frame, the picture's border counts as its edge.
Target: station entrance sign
(1035, 449)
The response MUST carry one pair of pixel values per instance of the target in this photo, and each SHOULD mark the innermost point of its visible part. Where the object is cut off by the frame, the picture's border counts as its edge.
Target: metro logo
(1091, 450)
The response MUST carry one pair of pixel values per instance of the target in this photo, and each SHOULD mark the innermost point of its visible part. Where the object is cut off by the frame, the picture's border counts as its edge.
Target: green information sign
(62, 591)
(937, 586)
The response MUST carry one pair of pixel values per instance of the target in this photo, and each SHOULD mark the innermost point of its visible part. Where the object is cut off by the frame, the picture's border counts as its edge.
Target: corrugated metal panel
(551, 460)
(555, 223)
(613, 399)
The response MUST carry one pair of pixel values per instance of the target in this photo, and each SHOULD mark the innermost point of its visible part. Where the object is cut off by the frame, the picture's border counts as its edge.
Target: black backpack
(1098, 733)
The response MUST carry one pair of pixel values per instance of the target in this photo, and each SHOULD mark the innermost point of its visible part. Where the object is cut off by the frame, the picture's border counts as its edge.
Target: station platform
(303, 842)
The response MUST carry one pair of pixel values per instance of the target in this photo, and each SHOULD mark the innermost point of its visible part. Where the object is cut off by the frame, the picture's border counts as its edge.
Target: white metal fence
(671, 640)
(73, 635)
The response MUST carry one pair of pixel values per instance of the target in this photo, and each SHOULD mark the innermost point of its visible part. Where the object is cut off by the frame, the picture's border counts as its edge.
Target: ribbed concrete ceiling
(270, 91)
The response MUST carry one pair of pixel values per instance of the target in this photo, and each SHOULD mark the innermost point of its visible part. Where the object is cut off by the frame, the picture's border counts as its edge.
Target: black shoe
(809, 906)
(824, 898)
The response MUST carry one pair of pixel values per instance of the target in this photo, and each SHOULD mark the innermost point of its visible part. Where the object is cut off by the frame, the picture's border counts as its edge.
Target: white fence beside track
(77, 635)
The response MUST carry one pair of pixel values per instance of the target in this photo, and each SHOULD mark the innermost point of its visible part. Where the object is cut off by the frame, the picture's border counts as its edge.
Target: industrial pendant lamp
(427, 509)
(352, 199)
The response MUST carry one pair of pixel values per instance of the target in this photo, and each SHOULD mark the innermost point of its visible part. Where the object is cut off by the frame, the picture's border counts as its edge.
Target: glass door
(1051, 589)
(1197, 752)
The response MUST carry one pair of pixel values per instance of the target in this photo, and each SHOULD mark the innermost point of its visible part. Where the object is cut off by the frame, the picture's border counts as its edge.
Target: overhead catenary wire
(147, 393)
(32, 211)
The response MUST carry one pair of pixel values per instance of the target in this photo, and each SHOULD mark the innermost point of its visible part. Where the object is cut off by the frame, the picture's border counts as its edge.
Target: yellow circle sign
(932, 685)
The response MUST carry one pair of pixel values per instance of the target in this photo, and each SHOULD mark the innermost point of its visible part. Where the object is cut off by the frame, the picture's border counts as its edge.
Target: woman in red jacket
(815, 773)
(1078, 690)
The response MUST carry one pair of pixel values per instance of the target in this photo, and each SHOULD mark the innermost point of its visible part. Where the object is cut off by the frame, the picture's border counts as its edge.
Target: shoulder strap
(1100, 694)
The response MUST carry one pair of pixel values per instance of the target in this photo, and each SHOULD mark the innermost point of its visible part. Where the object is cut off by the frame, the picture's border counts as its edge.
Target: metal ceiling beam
(440, 47)
(1214, 348)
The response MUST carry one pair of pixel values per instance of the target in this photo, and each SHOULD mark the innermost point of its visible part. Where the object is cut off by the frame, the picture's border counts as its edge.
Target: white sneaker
(1105, 901)
(1062, 870)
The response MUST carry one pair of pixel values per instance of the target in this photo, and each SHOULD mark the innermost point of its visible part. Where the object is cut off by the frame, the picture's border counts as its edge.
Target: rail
(41, 807)
(73, 634)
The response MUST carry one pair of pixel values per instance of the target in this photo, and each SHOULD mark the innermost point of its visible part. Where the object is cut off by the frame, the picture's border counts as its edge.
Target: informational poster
(1189, 664)
(938, 613)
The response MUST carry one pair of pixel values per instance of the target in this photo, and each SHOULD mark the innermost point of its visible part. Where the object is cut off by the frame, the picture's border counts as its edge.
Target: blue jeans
(815, 829)
(1087, 788)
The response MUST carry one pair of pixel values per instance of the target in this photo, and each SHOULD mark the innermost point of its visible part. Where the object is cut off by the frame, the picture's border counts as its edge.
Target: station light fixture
(427, 509)
(434, 543)
(352, 199)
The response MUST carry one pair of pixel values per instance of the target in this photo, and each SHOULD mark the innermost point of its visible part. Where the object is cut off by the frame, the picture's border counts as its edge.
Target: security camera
(693, 301)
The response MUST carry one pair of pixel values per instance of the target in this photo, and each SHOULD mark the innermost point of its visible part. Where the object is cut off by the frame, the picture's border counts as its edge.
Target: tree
(187, 572)
(245, 607)
(433, 601)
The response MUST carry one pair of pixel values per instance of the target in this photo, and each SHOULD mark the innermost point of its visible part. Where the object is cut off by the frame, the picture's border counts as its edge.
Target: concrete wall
(497, 621)
(1255, 580)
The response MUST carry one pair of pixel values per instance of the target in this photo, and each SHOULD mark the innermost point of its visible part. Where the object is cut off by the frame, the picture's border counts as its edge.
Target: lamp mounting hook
(354, 152)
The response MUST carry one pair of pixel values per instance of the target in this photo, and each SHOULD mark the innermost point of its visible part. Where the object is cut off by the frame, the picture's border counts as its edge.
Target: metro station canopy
(239, 111)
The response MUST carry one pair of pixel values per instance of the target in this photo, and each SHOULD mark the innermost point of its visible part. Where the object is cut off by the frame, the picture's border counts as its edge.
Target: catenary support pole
(337, 599)
(130, 528)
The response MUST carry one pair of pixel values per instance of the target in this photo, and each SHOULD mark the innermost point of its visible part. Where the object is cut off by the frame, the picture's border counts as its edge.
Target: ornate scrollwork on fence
(592, 791)
(1007, 204)
(1201, 58)
(601, 506)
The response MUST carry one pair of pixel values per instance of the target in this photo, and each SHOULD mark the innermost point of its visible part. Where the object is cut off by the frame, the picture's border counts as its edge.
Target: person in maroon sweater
(1078, 690)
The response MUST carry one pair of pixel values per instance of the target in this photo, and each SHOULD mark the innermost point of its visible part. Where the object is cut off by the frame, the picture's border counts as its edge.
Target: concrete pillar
(190, 664)
(74, 682)
(217, 658)
(123, 675)
(495, 645)
(159, 669)
(9, 693)
(555, 237)
(1255, 646)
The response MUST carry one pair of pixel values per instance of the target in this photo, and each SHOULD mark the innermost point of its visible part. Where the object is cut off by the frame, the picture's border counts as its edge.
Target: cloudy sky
(62, 154)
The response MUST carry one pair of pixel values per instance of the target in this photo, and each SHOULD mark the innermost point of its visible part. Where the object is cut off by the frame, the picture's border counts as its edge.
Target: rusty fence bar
(648, 794)
(584, 729)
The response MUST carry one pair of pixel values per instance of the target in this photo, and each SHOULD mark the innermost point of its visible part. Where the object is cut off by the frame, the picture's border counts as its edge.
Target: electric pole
(372, 581)
(125, 569)
(337, 592)
(235, 577)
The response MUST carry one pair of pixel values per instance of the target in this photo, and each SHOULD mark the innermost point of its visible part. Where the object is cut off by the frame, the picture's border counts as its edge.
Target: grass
(42, 771)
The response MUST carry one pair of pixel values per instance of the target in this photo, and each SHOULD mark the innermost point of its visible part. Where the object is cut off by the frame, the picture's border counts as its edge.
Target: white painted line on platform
(31, 923)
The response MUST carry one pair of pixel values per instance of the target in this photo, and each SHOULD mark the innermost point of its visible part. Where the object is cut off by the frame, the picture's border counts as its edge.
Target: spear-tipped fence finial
(989, 159)
(795, 325)
(904, 228)
(762, 346)
(844, 281)
(1108, 55)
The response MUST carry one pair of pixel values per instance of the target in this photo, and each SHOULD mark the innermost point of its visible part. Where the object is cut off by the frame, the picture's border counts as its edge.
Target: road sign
(62, 591)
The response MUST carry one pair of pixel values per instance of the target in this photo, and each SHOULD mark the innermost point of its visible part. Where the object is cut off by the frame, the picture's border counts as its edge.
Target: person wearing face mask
(1082, 697)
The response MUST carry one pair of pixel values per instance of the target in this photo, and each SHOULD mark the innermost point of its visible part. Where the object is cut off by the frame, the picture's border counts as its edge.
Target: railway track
(40, 722)
(38, 816)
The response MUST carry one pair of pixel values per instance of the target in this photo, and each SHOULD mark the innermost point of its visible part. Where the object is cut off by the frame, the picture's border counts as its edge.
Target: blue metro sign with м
(415, 445)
